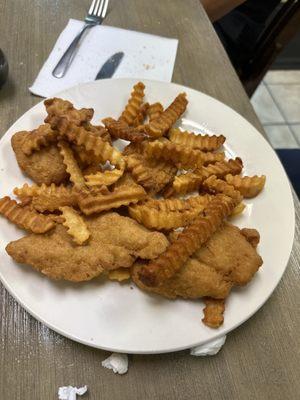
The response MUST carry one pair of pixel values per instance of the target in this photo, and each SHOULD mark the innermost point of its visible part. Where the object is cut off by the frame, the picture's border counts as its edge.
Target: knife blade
(110, 66)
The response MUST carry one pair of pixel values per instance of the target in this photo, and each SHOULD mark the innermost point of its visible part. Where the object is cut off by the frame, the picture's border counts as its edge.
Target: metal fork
(95, 16)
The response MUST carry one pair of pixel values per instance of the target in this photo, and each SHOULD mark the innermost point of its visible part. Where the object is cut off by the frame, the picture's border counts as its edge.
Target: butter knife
(110, 66)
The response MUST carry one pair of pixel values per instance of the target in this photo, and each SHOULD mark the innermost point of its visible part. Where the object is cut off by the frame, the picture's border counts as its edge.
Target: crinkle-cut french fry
(134, 149)
(188, 241)
(120, 274)
(222, 168)
(76, 227)
(185, 183)
(52, 201)
(248, 186)
(213, 312)
(211, 158)
(43, 136)
(24, 217)
(92, 169)
(100, 148)
(159, 126)
(70, 162)
(120, 130)
(174, 204)
(153, 175)
(58, 219)
(194, 141)
(140, 118)
(98, 130)
(57, 108)
(238, 209)
(215, 185)
(85, 157)
(105, 178)
(134, 104)
(178, 155)
(154, 111)
(28, 190)
(161, 220)
(47, 198)
(125, 192)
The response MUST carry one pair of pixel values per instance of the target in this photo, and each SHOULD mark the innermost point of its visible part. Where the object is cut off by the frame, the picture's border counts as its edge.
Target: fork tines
(98, 8)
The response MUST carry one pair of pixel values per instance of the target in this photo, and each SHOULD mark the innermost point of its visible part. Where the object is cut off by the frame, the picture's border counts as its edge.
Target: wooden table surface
(261, 359)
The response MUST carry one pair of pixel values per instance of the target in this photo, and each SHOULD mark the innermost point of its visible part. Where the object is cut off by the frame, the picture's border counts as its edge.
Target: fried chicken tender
(192, 281)
(252, 235)
(232, 254)
(226, 260)
(43, 166)
(115, 242)
(189, 240)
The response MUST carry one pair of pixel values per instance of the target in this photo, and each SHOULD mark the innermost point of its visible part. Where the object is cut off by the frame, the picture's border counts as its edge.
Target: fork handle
(67, 58)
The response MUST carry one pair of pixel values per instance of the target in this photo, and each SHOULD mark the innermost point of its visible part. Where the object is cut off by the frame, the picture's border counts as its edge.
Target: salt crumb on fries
(160, 160)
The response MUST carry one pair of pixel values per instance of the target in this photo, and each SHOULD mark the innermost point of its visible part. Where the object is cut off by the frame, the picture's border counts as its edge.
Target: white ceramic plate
(120, 317)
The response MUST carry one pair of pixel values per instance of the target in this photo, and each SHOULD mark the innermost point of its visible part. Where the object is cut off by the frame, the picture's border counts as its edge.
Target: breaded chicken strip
(43, 166)
(115, 242)
(226, 260)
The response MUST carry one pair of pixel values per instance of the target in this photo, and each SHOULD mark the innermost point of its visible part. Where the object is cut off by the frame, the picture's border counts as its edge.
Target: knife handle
(67, 58)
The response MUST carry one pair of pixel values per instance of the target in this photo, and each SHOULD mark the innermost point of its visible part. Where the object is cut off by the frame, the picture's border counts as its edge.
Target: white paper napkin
(146, 57)
(70, 392)
(118, 362)
(210, 348)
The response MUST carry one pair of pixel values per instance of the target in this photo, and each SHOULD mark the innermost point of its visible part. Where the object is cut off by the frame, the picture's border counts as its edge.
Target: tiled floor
(277, 104)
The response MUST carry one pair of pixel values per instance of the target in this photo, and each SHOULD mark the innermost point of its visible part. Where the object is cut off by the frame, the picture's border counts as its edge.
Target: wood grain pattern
(261, 358)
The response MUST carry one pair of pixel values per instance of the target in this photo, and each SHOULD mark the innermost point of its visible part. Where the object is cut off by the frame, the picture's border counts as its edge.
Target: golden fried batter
(115, 242)
(231, 254)
(226, 260)
(43, 166)
(192, 281)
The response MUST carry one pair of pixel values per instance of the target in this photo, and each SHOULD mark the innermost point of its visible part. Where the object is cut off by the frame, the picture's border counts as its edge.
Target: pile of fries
(165, 178)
